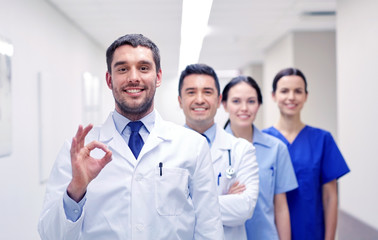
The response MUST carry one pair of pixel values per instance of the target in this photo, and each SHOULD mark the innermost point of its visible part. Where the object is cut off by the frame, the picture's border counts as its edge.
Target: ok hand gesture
(84, 167)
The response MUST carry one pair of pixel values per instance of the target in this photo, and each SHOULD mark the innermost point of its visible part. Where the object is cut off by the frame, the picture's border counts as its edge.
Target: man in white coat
(103, 186)
(234, 159)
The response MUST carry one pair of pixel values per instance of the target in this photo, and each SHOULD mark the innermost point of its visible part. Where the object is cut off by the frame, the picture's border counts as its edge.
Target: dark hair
(236, 80)
(288, 72)
(198, 69)
(134, 40)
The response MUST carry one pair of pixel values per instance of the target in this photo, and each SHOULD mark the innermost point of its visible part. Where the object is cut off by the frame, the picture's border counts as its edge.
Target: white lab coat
(130, 200)
(235, 208)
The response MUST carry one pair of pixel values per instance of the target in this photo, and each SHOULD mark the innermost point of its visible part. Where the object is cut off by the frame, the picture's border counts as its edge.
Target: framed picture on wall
(6, 52)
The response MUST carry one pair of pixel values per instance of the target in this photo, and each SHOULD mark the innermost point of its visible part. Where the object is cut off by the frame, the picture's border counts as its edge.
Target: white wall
(277, 57)
(44, 42)
(357, 38)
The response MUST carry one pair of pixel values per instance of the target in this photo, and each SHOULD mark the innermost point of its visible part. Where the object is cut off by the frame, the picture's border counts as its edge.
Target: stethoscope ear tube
(230, 170)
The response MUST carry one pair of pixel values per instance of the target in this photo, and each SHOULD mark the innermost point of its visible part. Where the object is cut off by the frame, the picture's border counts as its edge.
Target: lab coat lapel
(110, 136)
(221, 144)
(161, 132)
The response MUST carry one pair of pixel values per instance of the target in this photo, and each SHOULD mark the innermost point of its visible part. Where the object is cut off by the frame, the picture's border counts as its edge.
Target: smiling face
(199, 100)
(133, 81)
(242, 105)
(290, 95)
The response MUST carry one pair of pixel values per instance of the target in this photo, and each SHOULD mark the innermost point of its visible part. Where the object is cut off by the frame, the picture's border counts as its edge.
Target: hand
(236, 188)
(84, 167)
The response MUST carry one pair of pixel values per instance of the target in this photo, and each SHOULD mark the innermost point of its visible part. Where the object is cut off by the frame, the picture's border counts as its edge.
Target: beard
(133, 110)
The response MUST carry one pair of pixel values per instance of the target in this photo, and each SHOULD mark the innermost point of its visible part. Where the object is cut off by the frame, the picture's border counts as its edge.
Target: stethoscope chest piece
(230, 172)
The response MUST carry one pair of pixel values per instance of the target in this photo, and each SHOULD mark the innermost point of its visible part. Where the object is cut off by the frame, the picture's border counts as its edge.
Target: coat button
(140, 227)
(138, 178)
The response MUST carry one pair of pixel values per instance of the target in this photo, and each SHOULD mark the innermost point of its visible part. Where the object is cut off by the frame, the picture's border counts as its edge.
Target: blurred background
(52, 78)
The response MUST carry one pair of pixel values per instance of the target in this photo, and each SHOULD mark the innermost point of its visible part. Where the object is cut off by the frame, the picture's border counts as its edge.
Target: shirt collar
(209, 133)
(257, 138)
(120, 121)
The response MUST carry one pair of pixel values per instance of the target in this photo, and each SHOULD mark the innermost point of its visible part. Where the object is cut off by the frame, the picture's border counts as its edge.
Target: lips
(291, 105)
(243, 116)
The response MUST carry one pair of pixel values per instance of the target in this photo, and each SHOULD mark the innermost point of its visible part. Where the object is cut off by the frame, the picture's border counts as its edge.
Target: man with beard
(136, 176)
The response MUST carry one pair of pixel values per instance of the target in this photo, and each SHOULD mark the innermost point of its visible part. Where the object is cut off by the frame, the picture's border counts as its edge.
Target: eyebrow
(194, 88)
(119, 63)
(142, 62)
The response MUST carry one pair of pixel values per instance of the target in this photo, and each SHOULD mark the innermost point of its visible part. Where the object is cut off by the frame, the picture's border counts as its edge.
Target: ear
(219, 100)
(180, 102)
(225, 106)
(274, 96)
(306, 97)
(159, 78)
(109, 80)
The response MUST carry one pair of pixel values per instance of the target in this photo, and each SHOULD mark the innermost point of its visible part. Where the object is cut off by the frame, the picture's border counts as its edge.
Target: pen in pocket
(161, 168)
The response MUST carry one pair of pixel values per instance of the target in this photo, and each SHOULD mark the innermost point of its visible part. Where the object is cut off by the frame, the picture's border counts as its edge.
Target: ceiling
(239, 30)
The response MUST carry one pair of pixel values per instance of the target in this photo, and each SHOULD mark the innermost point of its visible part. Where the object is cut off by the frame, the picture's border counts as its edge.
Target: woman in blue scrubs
(242, 98)
(316, 158)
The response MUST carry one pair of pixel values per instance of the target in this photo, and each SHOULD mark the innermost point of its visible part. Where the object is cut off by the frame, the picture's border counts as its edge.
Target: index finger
(96, 144)
(81, 134)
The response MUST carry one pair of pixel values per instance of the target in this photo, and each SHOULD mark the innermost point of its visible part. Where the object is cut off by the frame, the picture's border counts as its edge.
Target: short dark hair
(134, 40)
(198, 68)
(236, 80)
(288, 72)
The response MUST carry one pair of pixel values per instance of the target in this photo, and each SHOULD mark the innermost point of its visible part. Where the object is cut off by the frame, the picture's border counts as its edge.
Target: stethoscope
(230, 170)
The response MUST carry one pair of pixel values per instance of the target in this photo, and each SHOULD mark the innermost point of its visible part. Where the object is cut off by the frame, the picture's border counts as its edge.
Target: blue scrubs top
(276, 175)
(316, 160)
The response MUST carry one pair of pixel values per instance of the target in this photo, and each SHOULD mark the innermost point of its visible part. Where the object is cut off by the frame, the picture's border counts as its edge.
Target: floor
(350, 228)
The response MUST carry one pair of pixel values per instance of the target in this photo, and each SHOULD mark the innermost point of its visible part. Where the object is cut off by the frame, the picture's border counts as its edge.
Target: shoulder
(318, 133)
(223, 134)
(175, 132)
(265, 139)
(315, 130)
(271, 131)
(238, 145)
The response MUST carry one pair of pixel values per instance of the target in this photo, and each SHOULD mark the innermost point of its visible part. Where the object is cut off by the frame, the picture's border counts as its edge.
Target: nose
(132, 75)
(199, 98)
(291, 95)
(244, 106)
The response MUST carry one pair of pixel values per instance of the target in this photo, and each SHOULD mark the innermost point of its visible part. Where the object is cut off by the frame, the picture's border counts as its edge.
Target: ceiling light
(319, 13)
(195, 17)
(6, 48)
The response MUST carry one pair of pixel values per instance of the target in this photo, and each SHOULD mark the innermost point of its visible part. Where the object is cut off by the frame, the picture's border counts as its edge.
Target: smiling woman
(242, 98)
(316, 159)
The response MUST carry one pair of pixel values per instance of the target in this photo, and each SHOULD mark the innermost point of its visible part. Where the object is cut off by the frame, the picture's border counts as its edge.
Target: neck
(199, 128)
(243, 132)
(289, 126)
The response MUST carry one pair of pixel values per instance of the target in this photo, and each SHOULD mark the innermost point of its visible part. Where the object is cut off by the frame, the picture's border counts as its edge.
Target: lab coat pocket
(171, 190)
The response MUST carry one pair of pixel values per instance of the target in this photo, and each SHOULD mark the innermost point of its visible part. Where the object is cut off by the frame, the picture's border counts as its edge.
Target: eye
(251, 101)
(284, 90)
(235, 101)
(122, 69)
(144, 68)
(299, 91)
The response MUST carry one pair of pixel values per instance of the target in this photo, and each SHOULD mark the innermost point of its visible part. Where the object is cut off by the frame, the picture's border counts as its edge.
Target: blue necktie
(135, 141)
